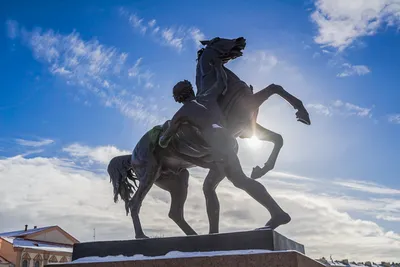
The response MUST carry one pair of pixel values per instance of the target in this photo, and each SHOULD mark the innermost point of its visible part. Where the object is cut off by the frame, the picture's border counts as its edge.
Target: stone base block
(246, 240)
(260, 259)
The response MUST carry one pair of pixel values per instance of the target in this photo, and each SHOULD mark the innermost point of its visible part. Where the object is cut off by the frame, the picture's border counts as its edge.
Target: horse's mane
(199, 53)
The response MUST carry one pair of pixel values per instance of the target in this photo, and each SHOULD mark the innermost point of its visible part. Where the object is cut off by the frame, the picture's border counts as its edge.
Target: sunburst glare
(254, 142)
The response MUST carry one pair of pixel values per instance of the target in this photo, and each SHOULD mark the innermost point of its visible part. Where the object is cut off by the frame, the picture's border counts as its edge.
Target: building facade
(36, 247)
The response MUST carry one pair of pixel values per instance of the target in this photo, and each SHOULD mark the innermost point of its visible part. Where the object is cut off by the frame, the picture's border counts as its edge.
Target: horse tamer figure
(203, 133)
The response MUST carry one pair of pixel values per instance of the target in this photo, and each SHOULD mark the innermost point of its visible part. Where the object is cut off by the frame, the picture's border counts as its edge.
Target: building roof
(31, 233)
(22, 243)
(22, 233)
(3, 260)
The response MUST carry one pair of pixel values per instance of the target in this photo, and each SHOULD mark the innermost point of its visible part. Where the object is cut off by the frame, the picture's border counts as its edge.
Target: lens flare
(254, 142)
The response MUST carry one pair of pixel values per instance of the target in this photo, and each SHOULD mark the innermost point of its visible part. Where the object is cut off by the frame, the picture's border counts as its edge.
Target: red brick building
(35, 247)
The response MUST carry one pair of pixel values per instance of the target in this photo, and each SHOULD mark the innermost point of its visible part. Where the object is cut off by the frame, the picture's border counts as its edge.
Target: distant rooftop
(3, 260)
(21, 243)
(21, 233)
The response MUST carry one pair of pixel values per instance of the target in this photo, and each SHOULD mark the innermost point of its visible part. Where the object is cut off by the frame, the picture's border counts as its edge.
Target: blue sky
(83, 81)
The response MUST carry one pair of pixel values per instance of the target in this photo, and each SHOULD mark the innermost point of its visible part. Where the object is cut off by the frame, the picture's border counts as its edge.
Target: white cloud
(338, 107)
(31, 152)
(12, 29)
(137, 23)
(263, 67)
(100, 154)
(341, 22)
(351, 70)
(102, 70)
(368, 187)
(41, 187)
(263, 60)
(197, 36)
(388, 218)
(321, 109)
(165, 35)
(394, 118)
(288, 175)
(170, 38)
(316, 55)
(151, 23)
(31, 143)
(357, 110)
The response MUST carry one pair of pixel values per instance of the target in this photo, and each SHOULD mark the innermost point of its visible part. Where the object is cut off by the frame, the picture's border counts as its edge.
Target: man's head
(182, 91)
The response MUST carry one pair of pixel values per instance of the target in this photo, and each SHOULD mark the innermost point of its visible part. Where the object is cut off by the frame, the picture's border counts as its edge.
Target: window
(25, 260)
(37, 260)
(53, 259)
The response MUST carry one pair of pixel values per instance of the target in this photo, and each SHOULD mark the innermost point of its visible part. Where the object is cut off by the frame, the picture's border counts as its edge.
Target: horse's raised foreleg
(260, 97)
(267, 135)
(177, 186)
(152, 173)
(214, 177)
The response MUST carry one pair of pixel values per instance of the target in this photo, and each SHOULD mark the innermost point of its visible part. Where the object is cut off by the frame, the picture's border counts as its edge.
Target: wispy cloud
(170, 38)
(351, 70)
(262, 60)
(100, 154)
(321, 109)
(367, 187)
(102, 70)
(340, 23)
(339, 107)
(394, 118)
(32, 152)
(286, 175)
(138, 23)
(32, 143)
(353, 109)
(175, 37)
(12, 29)
(388, 218)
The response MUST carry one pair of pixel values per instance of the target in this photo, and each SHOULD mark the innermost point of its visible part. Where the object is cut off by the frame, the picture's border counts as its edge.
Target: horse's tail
(121, 171)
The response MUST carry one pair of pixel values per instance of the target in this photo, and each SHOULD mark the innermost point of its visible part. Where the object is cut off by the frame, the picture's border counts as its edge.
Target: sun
(254, 142)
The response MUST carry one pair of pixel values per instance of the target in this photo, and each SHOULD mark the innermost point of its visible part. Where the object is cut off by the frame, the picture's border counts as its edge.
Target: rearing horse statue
(189, 145)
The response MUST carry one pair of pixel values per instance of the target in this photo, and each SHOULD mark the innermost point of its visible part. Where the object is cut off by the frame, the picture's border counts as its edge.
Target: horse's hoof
(263, 228)
(302, 116)
(142, 237)
(257, 172)
(278, 220)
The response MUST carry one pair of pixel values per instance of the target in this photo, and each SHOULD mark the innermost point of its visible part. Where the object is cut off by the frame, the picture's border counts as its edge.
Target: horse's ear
(205, 42)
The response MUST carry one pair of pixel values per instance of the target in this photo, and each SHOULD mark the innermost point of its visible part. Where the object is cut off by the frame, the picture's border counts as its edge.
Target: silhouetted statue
(203, 133)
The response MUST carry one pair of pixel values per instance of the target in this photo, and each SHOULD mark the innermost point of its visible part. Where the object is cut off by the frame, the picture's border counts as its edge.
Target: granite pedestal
(257, 239)
(274, 259)
(247, 248)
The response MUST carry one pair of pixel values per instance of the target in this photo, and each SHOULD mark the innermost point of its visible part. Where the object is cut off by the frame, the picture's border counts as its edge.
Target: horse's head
(227, 48)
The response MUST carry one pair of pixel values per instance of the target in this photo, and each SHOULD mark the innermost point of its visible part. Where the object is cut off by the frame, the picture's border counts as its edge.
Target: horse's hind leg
(177, 186)
(260, 97)
(152, 173)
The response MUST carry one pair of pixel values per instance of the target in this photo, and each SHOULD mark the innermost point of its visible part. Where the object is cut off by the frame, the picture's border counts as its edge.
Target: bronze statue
(203, 133)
